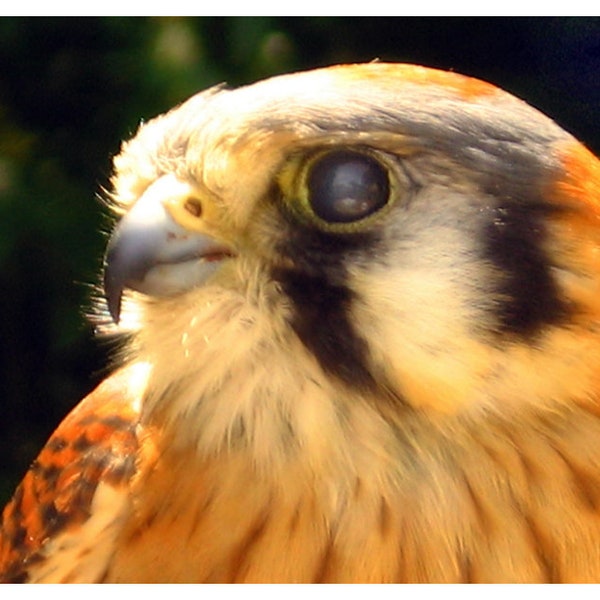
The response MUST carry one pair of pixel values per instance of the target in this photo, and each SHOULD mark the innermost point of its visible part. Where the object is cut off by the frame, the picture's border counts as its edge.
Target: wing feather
(93, 449)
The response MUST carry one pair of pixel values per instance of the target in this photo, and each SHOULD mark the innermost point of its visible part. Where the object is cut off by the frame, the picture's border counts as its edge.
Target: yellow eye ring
(339, 189)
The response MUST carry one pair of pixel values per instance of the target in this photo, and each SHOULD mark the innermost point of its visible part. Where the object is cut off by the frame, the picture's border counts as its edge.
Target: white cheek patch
(420, 307)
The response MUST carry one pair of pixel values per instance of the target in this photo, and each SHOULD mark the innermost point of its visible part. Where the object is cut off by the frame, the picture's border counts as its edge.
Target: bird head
(416, 239)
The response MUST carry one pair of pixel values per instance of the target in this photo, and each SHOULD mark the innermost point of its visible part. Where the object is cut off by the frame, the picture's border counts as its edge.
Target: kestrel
(360, 310)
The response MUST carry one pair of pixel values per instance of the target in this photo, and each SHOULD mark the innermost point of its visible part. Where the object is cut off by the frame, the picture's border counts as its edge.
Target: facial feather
(418, 368)
(460, 271)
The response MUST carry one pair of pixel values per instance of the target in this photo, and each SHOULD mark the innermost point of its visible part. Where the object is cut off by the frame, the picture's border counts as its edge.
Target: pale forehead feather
(368, 98)
(476, 124)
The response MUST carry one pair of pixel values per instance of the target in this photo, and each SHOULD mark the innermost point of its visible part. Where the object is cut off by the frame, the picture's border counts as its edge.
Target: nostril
(193, 206)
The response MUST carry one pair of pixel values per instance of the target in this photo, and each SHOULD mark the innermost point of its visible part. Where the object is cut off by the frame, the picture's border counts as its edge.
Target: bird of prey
(360, 308)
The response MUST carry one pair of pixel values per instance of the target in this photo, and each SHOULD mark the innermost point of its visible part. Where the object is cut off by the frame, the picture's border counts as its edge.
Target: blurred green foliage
(72, 88)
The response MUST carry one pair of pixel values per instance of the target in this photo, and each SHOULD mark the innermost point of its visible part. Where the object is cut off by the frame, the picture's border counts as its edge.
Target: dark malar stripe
(316, 282)
(321, 319)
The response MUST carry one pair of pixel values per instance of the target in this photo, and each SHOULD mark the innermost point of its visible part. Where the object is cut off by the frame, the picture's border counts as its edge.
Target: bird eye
(346, 186)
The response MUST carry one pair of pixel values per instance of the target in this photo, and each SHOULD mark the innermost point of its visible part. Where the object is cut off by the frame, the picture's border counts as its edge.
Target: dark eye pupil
(347, 186)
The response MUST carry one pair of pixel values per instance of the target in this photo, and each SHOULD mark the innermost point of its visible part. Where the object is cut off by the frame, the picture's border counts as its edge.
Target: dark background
(72, 88)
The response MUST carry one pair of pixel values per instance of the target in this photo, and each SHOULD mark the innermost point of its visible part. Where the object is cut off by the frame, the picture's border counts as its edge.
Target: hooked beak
(150, 252)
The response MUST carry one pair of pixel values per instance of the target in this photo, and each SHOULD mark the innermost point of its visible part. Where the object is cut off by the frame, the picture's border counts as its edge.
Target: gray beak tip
(113, 292)
(151, 253)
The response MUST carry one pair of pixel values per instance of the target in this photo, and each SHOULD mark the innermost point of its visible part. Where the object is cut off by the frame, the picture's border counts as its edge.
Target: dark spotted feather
(96, 442)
